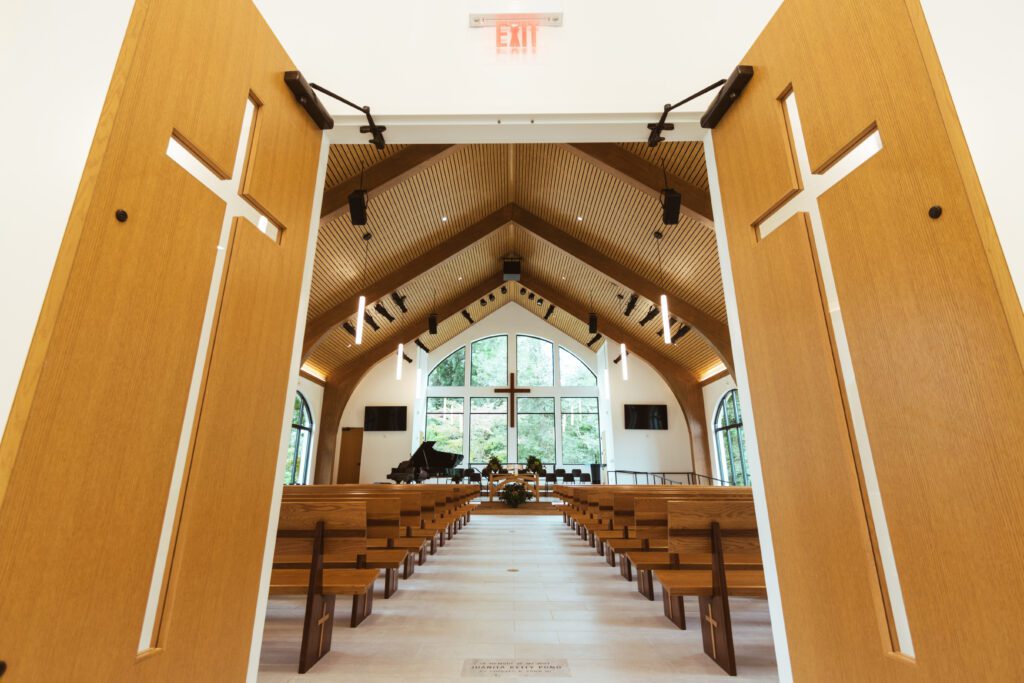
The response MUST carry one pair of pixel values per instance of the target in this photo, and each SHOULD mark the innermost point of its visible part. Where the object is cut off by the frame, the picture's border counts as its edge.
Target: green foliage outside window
(535, 427)
(445, 423)
(730, 443)
(296, 465)
(451, 372)
(535, 362)
(574, 372)
(581, 431)
(488, 429)
(489, 362)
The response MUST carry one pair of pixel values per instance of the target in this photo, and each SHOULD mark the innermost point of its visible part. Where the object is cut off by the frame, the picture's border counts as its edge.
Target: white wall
(383, 450)
(314, 394)
(713, 393)
(56, 59)
(401, 57)
(979, 47)
(641, 449)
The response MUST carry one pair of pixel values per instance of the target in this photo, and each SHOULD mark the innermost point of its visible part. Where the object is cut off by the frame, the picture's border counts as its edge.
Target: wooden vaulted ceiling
(514, 200)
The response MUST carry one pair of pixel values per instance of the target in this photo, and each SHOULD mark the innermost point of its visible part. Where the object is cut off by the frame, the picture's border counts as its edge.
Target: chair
(550, 480)
(569, 478)
(560, 473)
(585, 478)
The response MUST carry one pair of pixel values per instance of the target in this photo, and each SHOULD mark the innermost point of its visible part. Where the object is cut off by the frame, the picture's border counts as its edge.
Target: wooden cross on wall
(512, 390)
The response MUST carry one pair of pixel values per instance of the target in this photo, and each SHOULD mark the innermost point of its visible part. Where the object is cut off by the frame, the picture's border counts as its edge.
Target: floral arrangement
(515, 494)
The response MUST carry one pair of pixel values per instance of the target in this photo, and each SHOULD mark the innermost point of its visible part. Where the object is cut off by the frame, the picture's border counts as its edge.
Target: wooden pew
(723, 535)
(313, 536)
(382, 523)
(652, 526)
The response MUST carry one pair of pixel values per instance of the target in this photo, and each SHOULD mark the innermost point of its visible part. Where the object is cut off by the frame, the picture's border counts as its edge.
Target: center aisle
(515, 587)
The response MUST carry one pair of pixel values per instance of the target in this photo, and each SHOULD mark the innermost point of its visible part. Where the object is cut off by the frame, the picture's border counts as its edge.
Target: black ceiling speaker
(671, 202)
(511, 269)
(357, 206)
(593, 323)
(432, 323)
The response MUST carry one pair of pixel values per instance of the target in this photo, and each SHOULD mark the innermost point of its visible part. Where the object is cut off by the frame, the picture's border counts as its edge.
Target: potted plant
(534, 466)
(515, 494)
(493, 466)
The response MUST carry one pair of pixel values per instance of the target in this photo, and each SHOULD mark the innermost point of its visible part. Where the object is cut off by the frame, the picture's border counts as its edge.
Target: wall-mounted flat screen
(646, 416)
(384, 419)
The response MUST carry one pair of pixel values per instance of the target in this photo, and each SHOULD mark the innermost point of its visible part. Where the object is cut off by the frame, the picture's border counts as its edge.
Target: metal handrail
(664, 478)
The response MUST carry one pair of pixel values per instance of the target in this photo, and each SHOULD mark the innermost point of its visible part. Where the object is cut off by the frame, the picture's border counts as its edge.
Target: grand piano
(425, 463)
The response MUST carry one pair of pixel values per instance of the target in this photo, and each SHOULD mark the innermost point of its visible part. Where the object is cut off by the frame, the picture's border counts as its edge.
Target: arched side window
(574, 372)
(451, 372)
(488, 365)
(729, 442)
(300, 446)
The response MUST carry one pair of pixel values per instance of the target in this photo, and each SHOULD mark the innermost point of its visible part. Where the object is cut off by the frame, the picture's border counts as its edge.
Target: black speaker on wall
(671, 204)
(593, 323)
(432, 323)
(357, 207)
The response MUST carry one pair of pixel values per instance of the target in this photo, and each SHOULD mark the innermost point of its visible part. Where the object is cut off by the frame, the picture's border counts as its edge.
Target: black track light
(551, 309)
(522, 291)
(399, 301)
(357, 206)
(631, 304)
(490, 297)
(422, 345)
(530, 296)
(680, 333)
(371, 322)
(504, 289)
(596, 338)
(483, 302)
(348, 328)
(467, 316)
(379, 307)
(406, 358)
(651, 315)
(540, 302)
(432, 323)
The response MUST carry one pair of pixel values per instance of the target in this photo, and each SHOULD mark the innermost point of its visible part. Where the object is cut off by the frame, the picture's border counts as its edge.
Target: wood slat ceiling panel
(620, 220)
(406, 220)
(682, 159)
(578, 282)
(347, 161)
(473, 265)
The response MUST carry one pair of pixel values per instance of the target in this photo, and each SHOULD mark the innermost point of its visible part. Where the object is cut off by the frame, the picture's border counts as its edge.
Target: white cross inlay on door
(228, 190)
(806, 201)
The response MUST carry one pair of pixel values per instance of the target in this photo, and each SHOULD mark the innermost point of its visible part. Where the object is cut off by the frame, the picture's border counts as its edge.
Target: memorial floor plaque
(516, 668)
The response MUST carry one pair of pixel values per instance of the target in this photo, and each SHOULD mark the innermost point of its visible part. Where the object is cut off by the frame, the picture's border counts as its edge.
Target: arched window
(301, 443)
(451, 372)
(574, 372)
(489, 362)
(729, 442)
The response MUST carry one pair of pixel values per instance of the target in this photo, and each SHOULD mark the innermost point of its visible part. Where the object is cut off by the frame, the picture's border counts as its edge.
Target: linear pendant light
(398, 361)
(664, 319)
(625, 366)
(361, 313)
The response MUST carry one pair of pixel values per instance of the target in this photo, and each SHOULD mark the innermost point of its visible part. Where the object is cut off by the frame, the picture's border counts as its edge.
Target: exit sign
(516, 32)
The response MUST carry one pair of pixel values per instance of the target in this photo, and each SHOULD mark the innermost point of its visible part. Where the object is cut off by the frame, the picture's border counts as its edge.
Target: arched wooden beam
(341, 382)
(318, 328)
(382, 176)
(645, 176)
(684, 386)
(714, 331)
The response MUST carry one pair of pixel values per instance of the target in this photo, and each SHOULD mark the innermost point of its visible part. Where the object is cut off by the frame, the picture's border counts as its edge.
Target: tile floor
(563, 602)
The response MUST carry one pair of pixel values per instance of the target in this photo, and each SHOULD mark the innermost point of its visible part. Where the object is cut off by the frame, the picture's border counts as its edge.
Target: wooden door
(350, 457)
(883, 351)
(133, 527)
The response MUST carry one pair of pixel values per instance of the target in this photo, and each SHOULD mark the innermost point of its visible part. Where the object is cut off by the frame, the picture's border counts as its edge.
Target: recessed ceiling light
(444, 219)
(460, 278)
(579, 219)
(563, 277)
